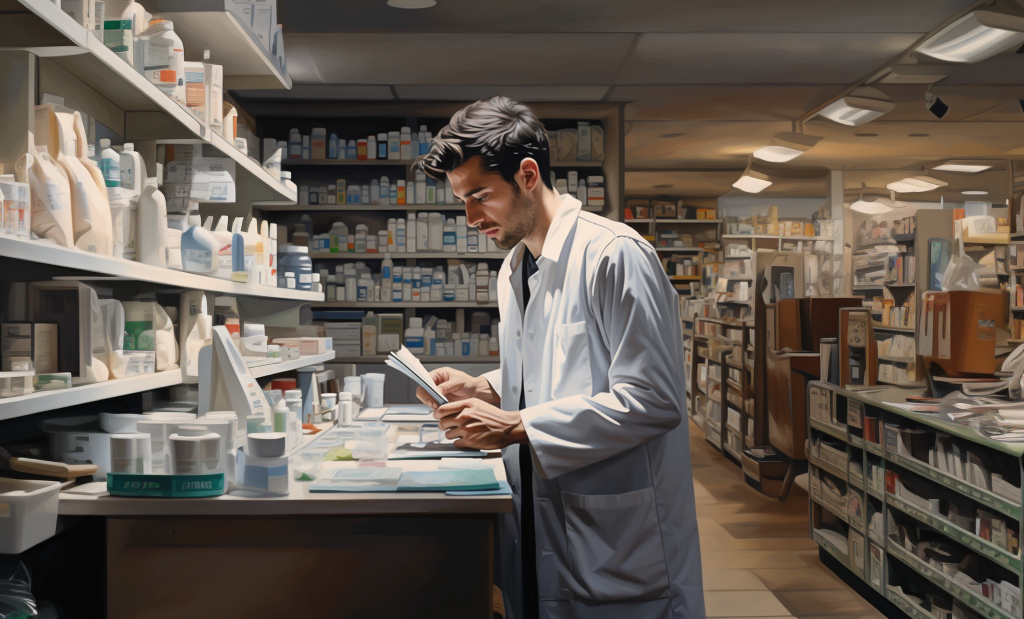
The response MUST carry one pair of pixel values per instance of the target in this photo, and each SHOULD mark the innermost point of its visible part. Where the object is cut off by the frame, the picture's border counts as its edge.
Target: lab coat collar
(562, 224)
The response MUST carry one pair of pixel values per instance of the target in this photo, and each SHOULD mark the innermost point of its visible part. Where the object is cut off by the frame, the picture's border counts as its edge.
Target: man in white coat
(589, 405)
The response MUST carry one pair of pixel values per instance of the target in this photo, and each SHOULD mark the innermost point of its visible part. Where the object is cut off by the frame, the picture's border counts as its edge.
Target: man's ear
(529, 173)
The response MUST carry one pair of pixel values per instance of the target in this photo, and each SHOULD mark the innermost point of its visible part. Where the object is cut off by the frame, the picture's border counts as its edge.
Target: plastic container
(151, 234)
(195, 450)
(296, 260)
(167, 55)
(29, 508)
(131, 453)
(267, 476)
(17, 209)
(200, 252)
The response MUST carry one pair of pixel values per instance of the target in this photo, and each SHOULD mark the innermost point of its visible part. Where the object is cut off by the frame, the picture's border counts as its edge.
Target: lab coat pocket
(570, 374)
(615, 546)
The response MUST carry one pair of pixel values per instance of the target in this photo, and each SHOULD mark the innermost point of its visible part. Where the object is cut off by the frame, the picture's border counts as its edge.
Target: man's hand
(479, 425)
(458, 386)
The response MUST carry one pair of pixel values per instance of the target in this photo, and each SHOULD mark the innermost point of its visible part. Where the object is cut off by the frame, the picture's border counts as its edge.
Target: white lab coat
(615, 521)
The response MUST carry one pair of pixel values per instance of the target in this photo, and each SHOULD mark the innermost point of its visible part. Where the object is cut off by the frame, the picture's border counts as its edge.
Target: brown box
(37, 340)
(819, 317)
(783, 325)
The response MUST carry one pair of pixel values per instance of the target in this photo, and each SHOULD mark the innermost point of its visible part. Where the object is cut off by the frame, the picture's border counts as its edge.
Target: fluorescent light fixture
(860, 106)
(966, 167)
(974, 192)
(914, 74)
(874, 201)
(753, 181)
(916, 184)
(975, 37)
(786, 146)
(870, 207)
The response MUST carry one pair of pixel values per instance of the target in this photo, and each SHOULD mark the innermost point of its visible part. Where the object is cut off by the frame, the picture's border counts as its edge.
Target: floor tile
(743, 604)
(732, 580)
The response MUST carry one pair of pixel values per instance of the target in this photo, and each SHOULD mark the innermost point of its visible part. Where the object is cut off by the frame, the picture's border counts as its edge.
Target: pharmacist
(588, 406)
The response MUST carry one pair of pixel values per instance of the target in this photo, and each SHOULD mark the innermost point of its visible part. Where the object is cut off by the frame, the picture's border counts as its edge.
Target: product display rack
(884, 563)
(938, 225)
(75, 64)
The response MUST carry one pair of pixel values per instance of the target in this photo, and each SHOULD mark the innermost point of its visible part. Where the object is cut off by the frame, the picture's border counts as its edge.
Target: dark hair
(502, 132)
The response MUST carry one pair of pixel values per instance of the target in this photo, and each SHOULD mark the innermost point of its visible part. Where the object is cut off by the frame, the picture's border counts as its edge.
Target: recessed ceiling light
(968, 167)
(786, 146)
(866, 135)
(412, 4)
(916, 184)
(663, 186)
(974, 192)
(976, 36)
(919, 135)
(671, 135)
(860, 106)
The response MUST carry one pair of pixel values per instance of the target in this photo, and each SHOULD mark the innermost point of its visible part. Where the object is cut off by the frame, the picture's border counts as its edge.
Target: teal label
(111, 171)
(138, 335)
(123, 484)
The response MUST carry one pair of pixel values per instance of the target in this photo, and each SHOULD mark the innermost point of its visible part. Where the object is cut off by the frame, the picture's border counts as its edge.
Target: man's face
(502, 211)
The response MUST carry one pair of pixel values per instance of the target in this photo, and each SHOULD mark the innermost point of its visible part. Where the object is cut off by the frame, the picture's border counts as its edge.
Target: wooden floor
(757, 558)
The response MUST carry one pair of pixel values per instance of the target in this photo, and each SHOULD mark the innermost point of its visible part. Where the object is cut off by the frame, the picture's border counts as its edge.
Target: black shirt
(528, 534)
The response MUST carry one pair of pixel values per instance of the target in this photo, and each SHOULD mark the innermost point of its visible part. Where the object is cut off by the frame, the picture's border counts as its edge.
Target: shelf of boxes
(323, 255)
(830, 402)
(403, 305)
(43, 252)
(68, 44)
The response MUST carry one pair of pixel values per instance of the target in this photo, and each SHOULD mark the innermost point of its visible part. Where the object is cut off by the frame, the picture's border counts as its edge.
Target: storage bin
(28, 513)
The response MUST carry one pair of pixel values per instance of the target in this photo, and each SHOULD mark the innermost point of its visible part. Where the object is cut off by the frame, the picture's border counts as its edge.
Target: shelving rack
(880, 561)
(46, 51)
(938, 225)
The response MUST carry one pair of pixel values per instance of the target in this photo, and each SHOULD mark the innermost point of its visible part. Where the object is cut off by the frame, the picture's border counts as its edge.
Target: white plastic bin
(28, 513)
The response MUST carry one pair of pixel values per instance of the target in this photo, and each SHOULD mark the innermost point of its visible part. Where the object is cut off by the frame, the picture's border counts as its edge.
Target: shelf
(208, 25)
(835, 471)
(362, 208)
(577, 164)
(832, 549)
(67, 44)
(945, 582)
(665, 220)
(294, 364)
(684, 278)
(868, 286)
(403, 305)
(881, 327)
(423, 359)
(821, 426)
(874, 448)
(738, 257)
(49, 253)
(940, 524)
(899, 285)
(323, 255)
(637, 221)
(777, 237)
(681, 249)
(987, 498)
(49, 400)
(840, 514)
(313, 163)
(897, 359)
(914, 611)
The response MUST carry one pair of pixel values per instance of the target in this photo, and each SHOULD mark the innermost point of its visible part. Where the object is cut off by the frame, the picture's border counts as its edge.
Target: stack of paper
(406, 363)
(393, 479)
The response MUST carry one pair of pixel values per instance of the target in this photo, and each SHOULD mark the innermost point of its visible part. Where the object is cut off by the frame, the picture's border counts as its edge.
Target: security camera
(934, 104)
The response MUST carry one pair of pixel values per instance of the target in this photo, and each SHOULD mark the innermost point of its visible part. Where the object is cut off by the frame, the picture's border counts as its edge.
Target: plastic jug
(133, 171)
(165, 59)
(151, 226)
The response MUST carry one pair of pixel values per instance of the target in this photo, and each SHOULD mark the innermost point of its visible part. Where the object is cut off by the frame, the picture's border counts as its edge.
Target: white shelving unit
(83, 55)
(43, 252)
(323, 255)
(404, 305)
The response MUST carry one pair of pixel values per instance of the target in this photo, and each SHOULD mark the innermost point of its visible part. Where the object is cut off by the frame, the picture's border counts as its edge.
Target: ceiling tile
(721, 102)
(465, 59)
(320, 92)
(519, 93)
(759, 58)
(473, 16)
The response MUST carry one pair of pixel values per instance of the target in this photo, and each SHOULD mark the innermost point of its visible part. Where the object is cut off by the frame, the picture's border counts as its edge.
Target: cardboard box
(36, 340)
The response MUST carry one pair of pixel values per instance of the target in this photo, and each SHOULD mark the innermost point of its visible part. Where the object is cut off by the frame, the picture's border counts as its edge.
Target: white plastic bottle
(424, 138)
(482, 281)
(371, 147)
(410, 233)
(396, 284)
(223, 237)
(167, 55)
(460, 235)
(429, 342)
(423, 232)
(374, 192)
(449, 243)
(492, 287)
(110, 164)
(437, 285)
(583, 151)
(421, 187)
(435, 232)
(405, 144)
(151, 226)
(385, 191)
(407, 274)
(133, 171)
(449, 197)
(351, 283)
(361, 231)
(392, 235)
(199, 251)
(414, 336)
(369, 329)
(394, 145)
(473, 241)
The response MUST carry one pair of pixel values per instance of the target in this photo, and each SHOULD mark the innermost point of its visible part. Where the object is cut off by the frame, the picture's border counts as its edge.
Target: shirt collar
(562, 224)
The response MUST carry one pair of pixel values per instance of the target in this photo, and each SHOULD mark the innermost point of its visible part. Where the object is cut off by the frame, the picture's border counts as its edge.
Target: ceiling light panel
(974, 192)
(965, 167)
(975, 37)
(786, 147)
(753, 181)
(860, 106)
(916, 184)
(870, 207)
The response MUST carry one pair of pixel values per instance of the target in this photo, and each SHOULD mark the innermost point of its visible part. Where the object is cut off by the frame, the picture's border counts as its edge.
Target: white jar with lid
(595, 191)
(195, 450)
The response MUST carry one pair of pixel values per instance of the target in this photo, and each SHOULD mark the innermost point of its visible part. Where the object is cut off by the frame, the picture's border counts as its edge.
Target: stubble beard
(521, 221)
